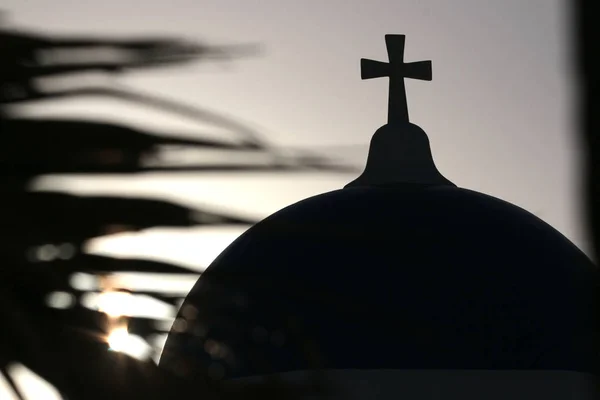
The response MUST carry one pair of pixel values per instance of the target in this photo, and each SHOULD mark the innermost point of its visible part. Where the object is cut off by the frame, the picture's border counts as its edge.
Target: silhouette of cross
(396, 70)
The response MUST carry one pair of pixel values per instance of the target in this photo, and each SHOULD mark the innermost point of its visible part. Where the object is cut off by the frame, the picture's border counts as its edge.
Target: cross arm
(370, 69)
(373, 69)
(418, 70)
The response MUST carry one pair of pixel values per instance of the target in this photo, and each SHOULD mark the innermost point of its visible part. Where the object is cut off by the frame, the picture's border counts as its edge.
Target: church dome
(399, 270)
(407, 277)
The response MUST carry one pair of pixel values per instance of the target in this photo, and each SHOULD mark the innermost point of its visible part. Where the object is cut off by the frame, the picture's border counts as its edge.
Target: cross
(396, 70)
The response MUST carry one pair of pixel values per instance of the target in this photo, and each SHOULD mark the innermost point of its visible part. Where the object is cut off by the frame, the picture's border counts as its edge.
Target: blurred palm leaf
(55, 329)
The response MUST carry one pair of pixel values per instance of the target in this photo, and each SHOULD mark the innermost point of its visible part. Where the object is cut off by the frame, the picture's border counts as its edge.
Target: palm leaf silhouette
(65, 342)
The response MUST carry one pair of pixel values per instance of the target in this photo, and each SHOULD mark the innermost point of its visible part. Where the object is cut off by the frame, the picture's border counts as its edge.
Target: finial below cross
(396, 70)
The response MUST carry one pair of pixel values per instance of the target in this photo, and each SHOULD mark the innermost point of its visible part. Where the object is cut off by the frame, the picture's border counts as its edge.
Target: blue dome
(401, 277)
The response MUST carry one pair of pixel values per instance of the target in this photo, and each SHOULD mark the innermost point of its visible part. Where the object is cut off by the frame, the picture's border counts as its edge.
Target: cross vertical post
(396, 69)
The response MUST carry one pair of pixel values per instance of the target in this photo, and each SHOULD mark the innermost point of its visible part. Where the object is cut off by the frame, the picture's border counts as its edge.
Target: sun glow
(118, 339)
(115, 303)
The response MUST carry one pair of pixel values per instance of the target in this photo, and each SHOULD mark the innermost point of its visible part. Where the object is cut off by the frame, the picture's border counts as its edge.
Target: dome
(401, 270)
(404, 277)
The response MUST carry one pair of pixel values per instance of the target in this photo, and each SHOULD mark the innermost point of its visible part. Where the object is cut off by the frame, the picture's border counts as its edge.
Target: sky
(499, 112)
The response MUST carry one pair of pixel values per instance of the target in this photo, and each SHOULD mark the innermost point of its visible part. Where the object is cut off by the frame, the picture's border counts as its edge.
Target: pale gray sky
(499, 111)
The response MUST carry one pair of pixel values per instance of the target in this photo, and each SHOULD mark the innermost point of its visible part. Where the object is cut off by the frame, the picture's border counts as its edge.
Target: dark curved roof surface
(402, 277)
